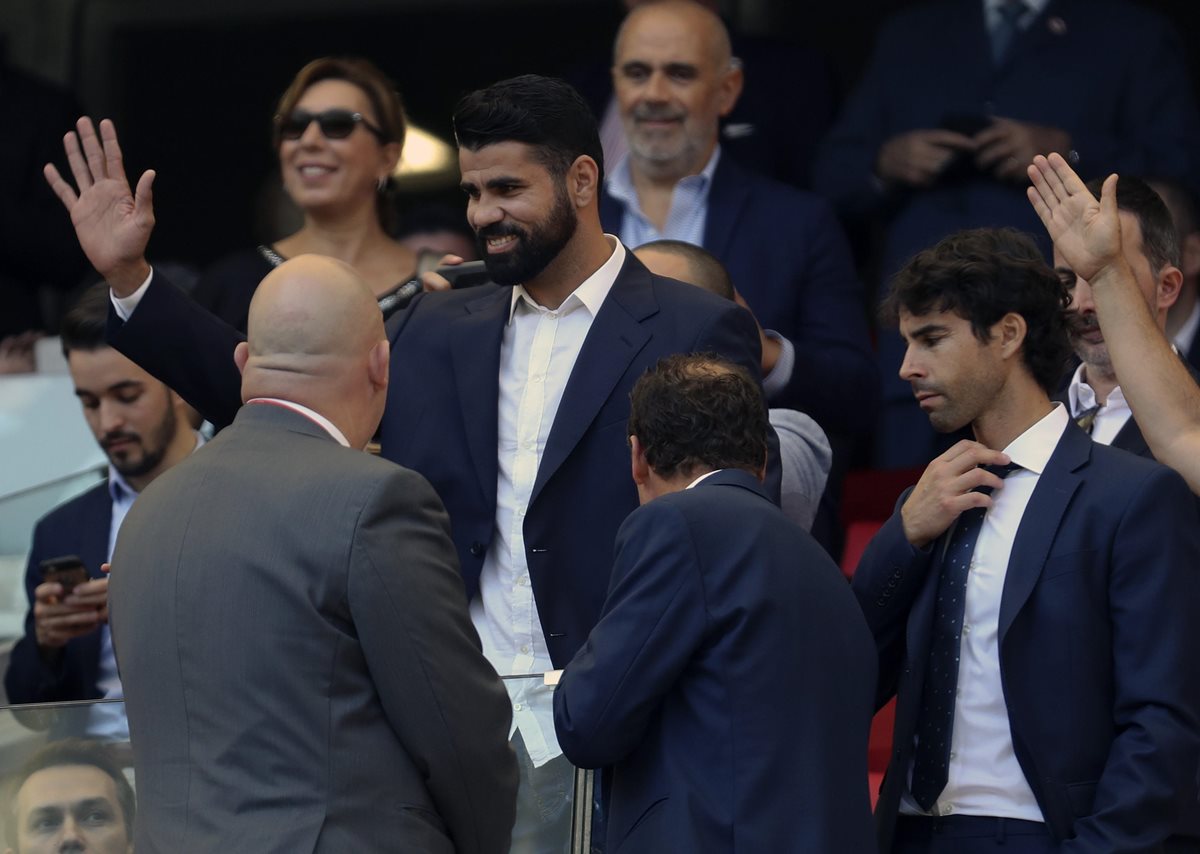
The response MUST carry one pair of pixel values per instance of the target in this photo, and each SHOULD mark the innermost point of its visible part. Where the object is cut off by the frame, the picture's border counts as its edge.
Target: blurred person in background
(339, 131)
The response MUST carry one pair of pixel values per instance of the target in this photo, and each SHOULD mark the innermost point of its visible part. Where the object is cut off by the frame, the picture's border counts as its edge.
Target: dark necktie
(1087, 419)
(936, 724)
(1007, 27)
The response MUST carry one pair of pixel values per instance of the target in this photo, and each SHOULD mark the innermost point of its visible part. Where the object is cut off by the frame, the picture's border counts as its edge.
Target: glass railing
(554, 799)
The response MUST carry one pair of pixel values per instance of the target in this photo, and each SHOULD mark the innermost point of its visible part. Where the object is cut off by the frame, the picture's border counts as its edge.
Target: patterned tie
(1011, 12)
(1087, 419)
(936, 724)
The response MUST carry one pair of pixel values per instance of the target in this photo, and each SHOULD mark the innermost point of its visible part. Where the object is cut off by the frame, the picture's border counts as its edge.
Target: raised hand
(946, 489)
(1086, 232)
(112, 224)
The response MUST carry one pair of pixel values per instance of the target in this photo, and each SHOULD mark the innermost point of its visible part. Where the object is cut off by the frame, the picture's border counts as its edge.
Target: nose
(112, 415)
(482, 213)
(312, 135)
(1081, 297)
(70, 837)
(910, 368)
(656, 87)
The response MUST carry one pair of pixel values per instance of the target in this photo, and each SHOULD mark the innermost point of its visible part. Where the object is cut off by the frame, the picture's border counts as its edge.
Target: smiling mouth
(314, 171)
(496, 245)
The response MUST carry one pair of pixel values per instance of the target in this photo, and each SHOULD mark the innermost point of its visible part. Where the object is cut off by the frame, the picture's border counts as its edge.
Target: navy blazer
(441, 415)
(788, 257)
(729, 683)
(79, 527)
(1097, 634)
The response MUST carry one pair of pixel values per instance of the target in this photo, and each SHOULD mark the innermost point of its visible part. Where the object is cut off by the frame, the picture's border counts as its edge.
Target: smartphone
(465, 275)
(67, 570)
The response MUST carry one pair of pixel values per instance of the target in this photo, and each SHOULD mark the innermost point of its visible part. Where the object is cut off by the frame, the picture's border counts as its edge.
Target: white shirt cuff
(126, 305)
(781, 374)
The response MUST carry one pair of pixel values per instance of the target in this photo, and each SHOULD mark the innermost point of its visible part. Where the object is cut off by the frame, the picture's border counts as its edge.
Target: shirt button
(966, 629)
(953, 755)
(525, 648)
(947, 809)
(517, 707)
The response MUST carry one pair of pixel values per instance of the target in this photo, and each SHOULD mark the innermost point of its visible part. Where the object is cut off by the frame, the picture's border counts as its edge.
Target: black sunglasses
(334, 124)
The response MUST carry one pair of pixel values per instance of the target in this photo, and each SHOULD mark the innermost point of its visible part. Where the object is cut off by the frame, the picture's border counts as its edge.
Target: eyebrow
(493, 183)
(928, 329)
(121, 386)
(669, 67)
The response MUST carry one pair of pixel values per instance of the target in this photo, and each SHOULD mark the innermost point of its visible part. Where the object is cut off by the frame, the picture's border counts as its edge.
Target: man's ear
(583, 181)
(731, 87)
(640, 469)
(241, 355)
(378, 362)
(1170, 281)
(1011, 330)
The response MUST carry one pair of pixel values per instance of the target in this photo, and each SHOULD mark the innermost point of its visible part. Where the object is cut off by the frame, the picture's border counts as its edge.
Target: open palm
(1086, 232)
(112, 224)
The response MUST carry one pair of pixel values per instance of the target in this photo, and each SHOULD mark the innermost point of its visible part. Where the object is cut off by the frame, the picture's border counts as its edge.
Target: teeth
(314, 170)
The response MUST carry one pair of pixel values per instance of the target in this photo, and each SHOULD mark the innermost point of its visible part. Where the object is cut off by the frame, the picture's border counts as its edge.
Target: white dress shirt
(537, 353)
(984, 776)
(991, 11)
(1187, 333)
(1110, 417)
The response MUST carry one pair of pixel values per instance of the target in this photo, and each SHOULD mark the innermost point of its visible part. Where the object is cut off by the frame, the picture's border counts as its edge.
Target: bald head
(691, 19)
(687, 263)
(315, 337)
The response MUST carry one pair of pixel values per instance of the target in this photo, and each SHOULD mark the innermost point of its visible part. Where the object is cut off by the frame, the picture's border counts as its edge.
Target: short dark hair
(70, 751)
(981, 275)
(697, 410)
(1180, 201)
(84, 324)
(1160, 238)
(543, 112)
(706, 271)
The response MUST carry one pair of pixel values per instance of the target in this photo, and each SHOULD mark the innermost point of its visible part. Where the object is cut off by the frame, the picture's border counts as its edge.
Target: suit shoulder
(1117, 469)
(438, 307)
(74, 511)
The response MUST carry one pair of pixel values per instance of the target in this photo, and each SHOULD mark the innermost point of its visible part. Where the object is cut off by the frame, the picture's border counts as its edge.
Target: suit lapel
(726, 199)
(475, 359)
(93, 546)
(615, 338)
(1047, 26)
(1041, 521)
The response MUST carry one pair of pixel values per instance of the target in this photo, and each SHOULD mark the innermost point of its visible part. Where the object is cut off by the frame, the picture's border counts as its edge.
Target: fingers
(75, 159)
(1063, 178)
(431, 281)
(450, 260)
(93, 152)
(143, 198)
(1108, 197)
(949, 139)
(60, 187)
(114, 164)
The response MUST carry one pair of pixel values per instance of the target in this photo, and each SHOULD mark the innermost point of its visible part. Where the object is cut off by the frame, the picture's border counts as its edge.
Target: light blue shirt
(685, 219)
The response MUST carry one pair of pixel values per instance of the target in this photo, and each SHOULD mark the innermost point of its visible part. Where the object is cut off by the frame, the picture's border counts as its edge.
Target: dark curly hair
(697, 411)
(981, 275)
(543, 112)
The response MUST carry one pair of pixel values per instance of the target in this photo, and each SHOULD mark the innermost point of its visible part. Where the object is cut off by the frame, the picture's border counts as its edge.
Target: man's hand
(431, 281)
(113, 226)
(917, 158)
(1086, 233)
(946, 489)
(1006, 147)
(57, 620)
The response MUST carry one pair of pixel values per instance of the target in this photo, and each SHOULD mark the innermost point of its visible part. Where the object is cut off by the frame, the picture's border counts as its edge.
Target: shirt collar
(310, 414)
(702, 477)
(1187, 333)
(591, 291)
(620, 180)
(1082, 397)
(119, 488)
(1032, 449)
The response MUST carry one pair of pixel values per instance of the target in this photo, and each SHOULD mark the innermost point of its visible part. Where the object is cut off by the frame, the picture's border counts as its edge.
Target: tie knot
(1002, 471)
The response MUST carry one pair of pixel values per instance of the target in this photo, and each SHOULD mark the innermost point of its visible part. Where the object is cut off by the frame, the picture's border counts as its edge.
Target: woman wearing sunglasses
(338, 131)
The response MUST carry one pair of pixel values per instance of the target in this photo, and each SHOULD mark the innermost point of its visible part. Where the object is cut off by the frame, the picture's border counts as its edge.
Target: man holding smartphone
(142, 426)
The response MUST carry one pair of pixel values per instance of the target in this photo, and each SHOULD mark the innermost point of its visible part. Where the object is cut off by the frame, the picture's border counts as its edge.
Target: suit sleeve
(30, 678)
(652, 622)
(1153, 603)
(445, 702)
(887, 580)
(172, 337)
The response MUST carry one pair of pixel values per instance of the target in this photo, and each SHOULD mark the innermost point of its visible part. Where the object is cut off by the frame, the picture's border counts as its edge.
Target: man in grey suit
(301, 672)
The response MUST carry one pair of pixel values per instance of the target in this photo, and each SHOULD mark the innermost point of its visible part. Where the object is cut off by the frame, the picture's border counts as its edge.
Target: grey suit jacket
(300, 670)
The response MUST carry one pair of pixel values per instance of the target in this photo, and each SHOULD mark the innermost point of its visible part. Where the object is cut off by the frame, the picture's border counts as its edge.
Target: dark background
(194, 101)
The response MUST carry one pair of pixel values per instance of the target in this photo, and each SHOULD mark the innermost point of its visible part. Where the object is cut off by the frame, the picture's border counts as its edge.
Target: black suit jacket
(79, 527)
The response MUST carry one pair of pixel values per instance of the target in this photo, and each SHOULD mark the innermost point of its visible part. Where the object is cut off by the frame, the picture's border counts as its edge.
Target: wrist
(127, 278)
(1113, 271)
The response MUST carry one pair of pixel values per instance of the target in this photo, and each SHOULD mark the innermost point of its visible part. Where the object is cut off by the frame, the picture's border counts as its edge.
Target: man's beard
(1094, 355)
(153, 452)
(535, 248)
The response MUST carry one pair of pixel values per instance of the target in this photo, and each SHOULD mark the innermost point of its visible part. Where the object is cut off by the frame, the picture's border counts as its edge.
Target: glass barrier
(554, 799)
